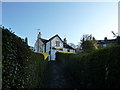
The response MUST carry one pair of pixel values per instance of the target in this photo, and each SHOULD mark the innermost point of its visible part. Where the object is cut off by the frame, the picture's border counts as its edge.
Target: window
(104, 45)
(68, 50)
(57, 43)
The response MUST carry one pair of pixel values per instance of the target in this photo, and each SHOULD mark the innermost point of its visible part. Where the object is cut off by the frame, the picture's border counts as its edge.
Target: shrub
(97, 69)
(21, 68)
(45, 55)
(36, 71)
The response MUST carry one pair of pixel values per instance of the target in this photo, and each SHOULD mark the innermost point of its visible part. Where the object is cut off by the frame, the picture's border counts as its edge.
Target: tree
(88, 43)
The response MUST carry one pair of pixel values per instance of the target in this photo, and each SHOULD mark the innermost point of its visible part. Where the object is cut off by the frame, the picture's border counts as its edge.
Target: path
(58, 76)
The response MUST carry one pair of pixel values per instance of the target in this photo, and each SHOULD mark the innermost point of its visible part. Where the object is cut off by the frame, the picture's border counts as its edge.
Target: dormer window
(57, 43)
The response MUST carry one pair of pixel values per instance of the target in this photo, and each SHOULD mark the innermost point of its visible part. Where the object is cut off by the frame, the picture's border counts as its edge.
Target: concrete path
(58, 76)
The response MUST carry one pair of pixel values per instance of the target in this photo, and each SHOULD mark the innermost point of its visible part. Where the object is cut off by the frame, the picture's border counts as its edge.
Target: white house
(51, 46)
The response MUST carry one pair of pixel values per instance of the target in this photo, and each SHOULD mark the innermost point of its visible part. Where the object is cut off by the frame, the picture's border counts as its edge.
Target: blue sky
(67, 19)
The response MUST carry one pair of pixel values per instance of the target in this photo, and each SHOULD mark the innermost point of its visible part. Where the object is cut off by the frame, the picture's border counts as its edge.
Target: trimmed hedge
(21, 68)
(98, 69)
(45, 55)
(36, 71)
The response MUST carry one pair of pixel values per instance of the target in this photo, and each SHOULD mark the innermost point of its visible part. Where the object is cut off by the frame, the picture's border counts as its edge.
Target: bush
(21, 68)
(36, 71)
(98, 69)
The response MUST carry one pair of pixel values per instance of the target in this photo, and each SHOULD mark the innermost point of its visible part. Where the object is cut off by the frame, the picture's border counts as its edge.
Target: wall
(53, 42)
(48, 49)
(71, 50)
(65, 50)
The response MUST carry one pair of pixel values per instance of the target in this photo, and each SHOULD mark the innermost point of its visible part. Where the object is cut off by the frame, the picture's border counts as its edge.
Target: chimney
(26, 40)
(39, 35)
(65, 40)
(105, 38)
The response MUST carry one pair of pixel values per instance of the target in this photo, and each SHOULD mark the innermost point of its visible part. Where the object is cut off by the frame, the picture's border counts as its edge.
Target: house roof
(44, 40)
(64, 44)
(54, 37)
(106, 41)
(67, 46)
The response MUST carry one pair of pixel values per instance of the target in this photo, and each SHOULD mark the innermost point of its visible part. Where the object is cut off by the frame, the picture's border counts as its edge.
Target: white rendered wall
(48, 49)
(53, 44)
(65, 49)
(71, 50)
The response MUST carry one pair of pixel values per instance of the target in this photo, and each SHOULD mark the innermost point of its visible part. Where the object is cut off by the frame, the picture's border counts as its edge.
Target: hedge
(36, 71)
(98, 69)
(21, 68)
(45, 55)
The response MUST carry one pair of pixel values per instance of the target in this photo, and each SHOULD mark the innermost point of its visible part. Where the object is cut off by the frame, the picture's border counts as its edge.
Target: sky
(67, 19)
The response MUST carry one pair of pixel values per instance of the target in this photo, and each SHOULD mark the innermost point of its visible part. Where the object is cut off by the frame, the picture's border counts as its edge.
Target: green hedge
(36, 71)
(21, 68)
(98, 69)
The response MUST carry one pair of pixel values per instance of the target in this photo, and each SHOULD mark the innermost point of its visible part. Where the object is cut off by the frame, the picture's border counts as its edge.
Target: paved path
(58, 76)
